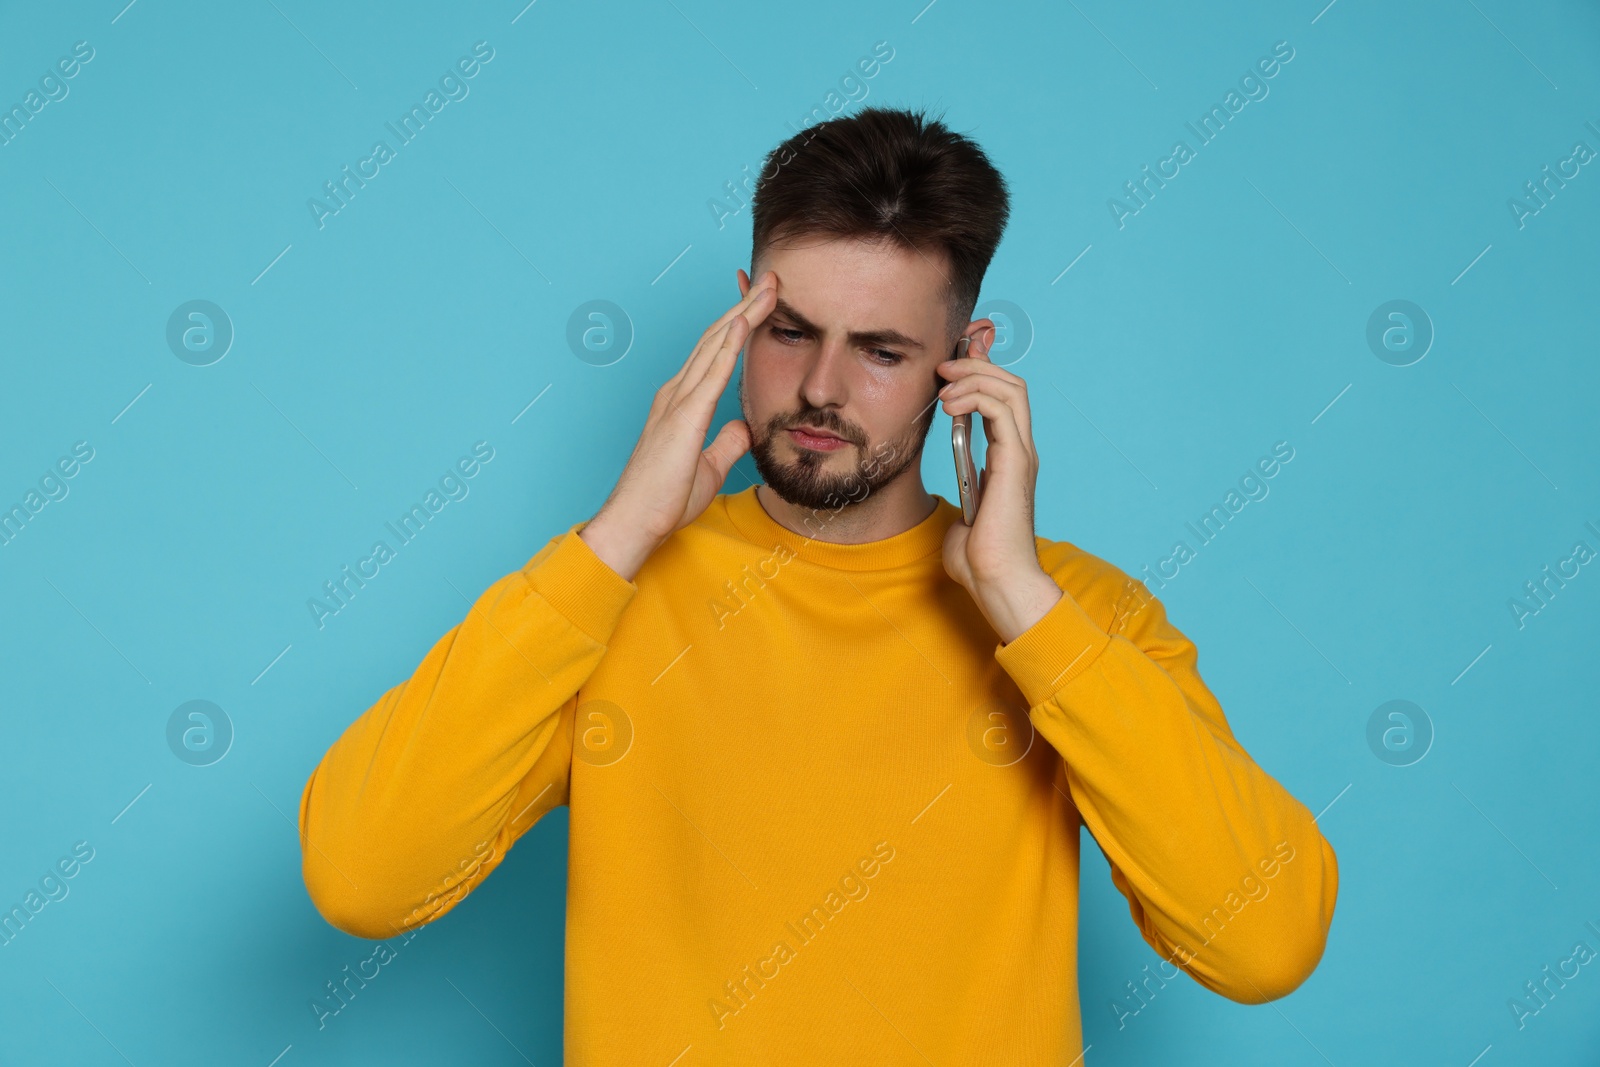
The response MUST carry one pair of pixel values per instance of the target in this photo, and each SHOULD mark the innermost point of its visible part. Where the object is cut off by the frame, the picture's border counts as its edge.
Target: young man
(826, 748)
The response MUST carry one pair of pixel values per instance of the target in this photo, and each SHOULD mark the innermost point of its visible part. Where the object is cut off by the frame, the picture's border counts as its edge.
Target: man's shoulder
(1063, 559)
(1110, 595)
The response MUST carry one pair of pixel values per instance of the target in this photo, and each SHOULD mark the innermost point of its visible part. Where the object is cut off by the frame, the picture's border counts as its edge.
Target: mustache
(821, 420)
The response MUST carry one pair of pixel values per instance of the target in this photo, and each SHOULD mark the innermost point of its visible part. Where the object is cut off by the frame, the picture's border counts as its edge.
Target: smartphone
(961, 442)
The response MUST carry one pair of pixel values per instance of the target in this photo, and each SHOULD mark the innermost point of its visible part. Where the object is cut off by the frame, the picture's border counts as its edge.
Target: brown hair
(891, 174)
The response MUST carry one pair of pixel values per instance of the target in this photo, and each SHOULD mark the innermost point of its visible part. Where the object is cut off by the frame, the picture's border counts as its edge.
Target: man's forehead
(864, 260)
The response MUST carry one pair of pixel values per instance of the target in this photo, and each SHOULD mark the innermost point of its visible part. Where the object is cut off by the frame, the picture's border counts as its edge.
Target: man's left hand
(995, 558)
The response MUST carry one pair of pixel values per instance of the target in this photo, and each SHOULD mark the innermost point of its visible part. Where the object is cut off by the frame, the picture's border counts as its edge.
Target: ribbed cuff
(581, 586)
(1053, 651)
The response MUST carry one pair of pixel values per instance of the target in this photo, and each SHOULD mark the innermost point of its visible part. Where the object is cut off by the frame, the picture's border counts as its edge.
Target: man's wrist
(1014, 611)
(615, 545)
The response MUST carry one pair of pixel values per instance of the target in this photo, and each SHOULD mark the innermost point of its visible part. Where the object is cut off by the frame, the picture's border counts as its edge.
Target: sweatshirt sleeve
(419, 799)
(1225, 873)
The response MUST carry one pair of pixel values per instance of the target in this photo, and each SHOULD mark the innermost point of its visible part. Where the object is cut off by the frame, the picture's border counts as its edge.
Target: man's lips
(810, 432)
(816, 439)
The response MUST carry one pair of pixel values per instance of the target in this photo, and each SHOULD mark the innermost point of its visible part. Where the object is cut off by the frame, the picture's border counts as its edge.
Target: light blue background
(1226, 316)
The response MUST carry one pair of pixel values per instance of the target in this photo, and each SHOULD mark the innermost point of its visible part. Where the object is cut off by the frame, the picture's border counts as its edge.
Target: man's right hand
(669, 480)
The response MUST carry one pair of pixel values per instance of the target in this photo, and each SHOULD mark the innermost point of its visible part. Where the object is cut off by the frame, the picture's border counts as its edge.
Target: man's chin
(825, 484)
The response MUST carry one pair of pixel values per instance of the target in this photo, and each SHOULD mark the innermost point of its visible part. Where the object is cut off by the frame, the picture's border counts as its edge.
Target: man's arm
(421, 797)
(1225, 872)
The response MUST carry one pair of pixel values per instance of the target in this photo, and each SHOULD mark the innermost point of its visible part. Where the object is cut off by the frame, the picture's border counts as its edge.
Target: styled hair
(887, 174)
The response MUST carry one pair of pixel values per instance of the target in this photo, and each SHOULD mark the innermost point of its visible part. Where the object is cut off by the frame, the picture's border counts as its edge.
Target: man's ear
(982, 332)
(744, 283)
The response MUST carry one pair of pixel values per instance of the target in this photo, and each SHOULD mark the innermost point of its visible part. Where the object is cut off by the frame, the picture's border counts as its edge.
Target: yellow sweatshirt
(818, 815)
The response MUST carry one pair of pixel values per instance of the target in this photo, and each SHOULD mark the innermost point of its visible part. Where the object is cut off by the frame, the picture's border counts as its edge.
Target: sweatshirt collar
(920, 541)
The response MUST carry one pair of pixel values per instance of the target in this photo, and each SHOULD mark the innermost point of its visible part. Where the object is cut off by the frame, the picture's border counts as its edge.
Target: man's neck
(884, 512)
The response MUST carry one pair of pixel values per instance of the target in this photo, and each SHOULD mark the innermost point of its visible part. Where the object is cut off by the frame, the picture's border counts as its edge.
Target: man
(826, 748)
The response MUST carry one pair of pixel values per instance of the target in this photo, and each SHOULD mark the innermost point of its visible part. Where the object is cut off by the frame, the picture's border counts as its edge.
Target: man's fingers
(767, 280)
(731, 443)
(995, 401)
(714, 365)
(670, 389)
(692, 367)
(958, 369)
(999, 429)
(719, 367)
(713, 332)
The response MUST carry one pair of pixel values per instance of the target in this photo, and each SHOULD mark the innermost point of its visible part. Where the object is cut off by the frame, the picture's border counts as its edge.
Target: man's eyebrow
(860, 337)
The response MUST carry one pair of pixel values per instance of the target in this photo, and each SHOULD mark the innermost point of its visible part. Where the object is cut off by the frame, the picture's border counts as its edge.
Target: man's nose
(825, 382)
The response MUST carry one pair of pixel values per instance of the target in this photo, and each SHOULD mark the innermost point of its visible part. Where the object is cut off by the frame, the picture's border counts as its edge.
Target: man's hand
(995, 558)
(669, 480)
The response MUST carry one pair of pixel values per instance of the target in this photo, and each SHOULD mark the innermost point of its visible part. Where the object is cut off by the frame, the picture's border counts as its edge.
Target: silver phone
(961, 442)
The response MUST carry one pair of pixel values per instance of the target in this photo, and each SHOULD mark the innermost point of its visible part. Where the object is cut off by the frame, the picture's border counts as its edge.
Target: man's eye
(882, 356)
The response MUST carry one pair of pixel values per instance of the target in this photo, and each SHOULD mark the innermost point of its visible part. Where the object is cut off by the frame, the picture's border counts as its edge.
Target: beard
(807, 481)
